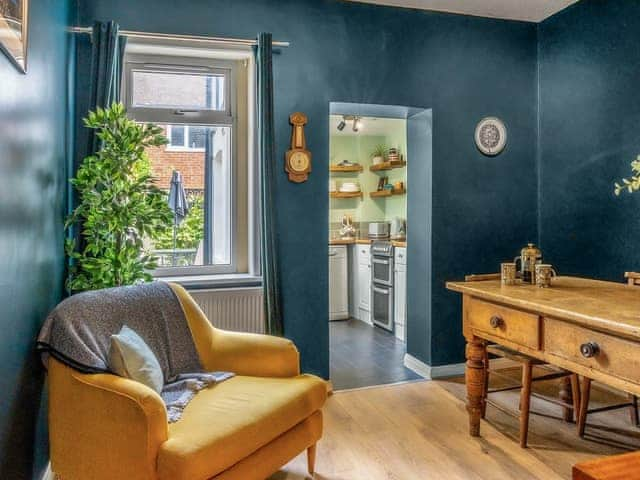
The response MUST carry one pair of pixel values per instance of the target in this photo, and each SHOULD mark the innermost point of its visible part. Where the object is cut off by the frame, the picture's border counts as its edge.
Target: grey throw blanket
(78, 333)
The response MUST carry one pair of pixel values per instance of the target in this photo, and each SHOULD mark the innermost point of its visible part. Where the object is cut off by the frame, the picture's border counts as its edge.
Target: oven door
(382, 270)
(382, 302)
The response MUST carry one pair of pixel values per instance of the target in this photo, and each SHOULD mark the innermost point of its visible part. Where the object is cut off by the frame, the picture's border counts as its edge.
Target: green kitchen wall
(358, 148)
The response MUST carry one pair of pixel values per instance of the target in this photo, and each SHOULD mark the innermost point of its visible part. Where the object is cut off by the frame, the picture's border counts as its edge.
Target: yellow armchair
(241, 353)
(104, 427)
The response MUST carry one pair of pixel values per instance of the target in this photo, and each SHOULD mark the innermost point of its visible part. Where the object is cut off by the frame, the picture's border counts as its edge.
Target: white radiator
(237, 309)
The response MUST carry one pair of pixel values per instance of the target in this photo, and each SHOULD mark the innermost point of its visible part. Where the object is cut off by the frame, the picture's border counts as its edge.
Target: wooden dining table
(589, 327)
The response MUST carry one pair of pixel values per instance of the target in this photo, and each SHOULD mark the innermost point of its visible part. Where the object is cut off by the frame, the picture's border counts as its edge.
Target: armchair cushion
(229, 422)
(131, 357)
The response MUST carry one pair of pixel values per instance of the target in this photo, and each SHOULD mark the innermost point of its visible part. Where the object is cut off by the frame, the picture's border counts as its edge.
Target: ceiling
(526, 10)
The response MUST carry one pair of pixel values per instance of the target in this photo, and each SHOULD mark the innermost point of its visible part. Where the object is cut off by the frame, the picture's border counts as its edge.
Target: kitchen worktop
(363, 241)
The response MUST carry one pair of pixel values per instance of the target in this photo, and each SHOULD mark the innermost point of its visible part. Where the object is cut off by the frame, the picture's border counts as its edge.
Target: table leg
(474, 378)
(566, 395)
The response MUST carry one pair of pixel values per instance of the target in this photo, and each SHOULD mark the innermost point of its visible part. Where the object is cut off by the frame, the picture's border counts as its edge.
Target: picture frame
(14, 31)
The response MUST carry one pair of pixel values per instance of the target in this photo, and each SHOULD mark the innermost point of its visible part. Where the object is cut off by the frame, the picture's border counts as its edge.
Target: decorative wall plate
(491, 136)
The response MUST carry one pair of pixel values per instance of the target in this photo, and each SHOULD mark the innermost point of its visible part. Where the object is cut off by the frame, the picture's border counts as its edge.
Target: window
(157, 87)
(186, 138)
(197, 103)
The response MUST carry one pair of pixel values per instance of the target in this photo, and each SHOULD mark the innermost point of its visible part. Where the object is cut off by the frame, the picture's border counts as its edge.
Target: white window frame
(184, 65)
(195, 117)
(185, 146)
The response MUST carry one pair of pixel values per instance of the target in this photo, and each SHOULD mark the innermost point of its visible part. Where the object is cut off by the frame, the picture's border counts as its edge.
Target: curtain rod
(189, 38)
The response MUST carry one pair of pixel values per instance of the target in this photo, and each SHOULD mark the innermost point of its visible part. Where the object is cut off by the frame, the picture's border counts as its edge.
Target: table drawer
(612, 355)
(514, 325)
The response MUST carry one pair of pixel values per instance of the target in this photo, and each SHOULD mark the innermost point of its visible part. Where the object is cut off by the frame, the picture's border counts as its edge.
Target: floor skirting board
(451, 370)
(48, 474)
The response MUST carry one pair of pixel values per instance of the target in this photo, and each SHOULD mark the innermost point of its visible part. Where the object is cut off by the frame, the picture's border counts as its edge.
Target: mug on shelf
(544, 272)
(508, 273)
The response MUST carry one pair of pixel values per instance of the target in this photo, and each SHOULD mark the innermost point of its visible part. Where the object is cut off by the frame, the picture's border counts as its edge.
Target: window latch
(184, 112)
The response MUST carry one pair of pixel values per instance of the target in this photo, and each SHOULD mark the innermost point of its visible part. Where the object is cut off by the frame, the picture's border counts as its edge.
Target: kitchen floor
(363, 356)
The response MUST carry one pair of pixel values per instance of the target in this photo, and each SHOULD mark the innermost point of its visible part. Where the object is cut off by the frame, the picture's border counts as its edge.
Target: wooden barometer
(298, 158)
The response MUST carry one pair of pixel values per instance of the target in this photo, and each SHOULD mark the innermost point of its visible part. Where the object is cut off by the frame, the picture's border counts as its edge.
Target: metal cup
(508, 273)
(544, 272)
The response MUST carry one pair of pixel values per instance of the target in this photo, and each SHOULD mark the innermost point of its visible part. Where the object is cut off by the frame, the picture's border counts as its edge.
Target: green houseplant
(630, 184)
(378, 154)
(119, 205)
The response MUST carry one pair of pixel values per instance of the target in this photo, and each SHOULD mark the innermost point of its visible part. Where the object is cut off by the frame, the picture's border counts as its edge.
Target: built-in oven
(382, 263)
(382, 284)
(382, 306)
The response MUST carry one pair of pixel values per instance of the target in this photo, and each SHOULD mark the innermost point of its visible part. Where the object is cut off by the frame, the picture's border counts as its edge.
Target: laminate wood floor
(418, 431)
(414, 431)
(551, 440)
(362, 356)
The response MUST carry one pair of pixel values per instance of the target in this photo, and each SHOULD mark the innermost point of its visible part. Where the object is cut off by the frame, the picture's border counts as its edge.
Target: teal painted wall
(464, 68)
(476, 209)
(589, 112)
(33, 155)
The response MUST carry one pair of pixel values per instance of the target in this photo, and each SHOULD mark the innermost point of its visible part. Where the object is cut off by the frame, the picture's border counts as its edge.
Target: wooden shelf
(345, 168)
(387, 193)
(386, 166)
(345, 194)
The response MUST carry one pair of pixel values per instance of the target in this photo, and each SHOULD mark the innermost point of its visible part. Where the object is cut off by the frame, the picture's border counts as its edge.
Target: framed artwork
(13, 31)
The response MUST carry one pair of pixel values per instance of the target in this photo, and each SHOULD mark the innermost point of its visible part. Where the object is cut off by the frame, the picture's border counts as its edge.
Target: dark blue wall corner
(33, 151)
(589, 116)
(464, 68)
(419, 251)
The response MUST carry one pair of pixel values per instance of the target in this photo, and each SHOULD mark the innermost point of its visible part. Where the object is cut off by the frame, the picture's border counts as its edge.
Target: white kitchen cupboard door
(354, 291)
(400, 299)
(364, 288)
(338, 283)
(364, 283)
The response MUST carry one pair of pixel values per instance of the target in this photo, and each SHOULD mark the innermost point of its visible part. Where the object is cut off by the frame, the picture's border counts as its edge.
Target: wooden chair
(633, 279)
(569, 405)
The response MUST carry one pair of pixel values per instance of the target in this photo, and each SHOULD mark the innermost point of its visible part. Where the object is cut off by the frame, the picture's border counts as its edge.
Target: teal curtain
(266, 150)
(107, 56)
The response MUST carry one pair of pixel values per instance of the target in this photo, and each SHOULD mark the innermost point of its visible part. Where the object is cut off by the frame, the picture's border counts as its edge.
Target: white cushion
(131, 357)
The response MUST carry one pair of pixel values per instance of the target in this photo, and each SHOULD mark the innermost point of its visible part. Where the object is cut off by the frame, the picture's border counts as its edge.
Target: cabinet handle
(496, 322)
(589, 349)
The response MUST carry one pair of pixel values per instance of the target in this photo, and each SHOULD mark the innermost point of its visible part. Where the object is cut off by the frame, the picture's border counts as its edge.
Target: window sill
(204, 282)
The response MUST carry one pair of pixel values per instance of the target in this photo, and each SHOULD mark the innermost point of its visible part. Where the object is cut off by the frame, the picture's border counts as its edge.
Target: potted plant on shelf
(378, 154)
(119, 205)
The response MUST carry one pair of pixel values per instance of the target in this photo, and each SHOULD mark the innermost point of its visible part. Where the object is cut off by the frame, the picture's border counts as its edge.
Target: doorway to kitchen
(368, 250)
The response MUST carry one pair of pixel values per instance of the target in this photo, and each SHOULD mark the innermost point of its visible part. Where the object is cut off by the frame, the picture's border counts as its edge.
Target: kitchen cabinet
(361, 283)
(354, 293)
(338, 283)
(400, 294)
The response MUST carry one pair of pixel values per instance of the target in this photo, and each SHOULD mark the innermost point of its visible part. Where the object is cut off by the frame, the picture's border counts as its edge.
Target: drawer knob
(496, 322)
(589, 349)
